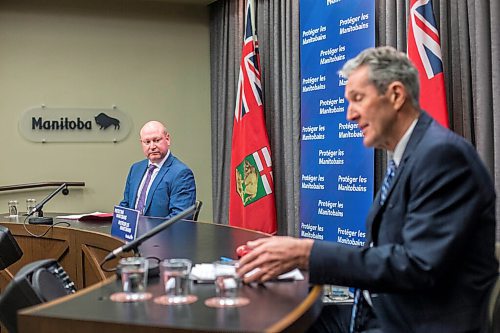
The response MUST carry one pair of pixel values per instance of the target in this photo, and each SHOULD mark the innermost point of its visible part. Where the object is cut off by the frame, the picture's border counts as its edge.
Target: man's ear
(397, 94)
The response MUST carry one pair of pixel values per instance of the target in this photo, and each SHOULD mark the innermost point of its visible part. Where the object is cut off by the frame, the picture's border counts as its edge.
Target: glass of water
(134, 275)
(175, 274)
(13, 205)
(30, 205)
(227, 286)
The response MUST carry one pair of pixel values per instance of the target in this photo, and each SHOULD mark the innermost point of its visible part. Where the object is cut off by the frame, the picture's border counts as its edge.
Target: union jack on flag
(249, 92)
(424, 49)
(426, 37)
(251, 188)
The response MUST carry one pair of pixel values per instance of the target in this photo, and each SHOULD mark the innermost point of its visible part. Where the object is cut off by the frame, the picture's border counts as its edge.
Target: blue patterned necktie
(142, 196)
(389, 175)
(357, 308)
(360, 303)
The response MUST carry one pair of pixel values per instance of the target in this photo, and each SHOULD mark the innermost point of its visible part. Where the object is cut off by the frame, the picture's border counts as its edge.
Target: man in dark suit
(160, 185)
(429, 258)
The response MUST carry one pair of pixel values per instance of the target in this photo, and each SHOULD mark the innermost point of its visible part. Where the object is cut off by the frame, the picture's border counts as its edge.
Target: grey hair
(386, 65)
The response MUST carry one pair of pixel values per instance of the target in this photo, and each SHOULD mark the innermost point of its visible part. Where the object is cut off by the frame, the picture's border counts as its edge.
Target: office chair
(10, 252)
(37, 282)
(494, 309)
(198, 205)
(497, 250)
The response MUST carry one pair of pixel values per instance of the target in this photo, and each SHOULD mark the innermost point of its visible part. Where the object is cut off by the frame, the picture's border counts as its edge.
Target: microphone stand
(40, 219)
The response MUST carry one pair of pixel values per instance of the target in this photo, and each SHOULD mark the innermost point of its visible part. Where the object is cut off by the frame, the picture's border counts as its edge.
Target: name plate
(124, 224)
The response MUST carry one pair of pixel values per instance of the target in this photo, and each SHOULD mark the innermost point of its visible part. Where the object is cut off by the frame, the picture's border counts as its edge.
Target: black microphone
(38, 208)
(138, 241)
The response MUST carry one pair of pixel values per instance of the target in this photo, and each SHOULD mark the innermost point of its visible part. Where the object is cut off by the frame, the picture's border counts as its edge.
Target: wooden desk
(273, 307)
(79, 248)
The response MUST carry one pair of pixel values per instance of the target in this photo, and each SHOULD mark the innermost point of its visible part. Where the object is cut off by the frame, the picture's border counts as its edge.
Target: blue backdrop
(336, 169)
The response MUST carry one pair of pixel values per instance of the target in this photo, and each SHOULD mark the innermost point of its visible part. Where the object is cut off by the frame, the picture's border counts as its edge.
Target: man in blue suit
(160, 185)
(429, 258)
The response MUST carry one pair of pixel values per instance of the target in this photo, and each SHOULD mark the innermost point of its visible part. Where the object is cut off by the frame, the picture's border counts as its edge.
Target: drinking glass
(134, 274)
(227, 286)
(175, 274)
(30, 204)
(13, 204)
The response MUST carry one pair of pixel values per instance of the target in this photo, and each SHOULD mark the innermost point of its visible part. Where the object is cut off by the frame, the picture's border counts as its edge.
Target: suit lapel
(157, 180)
(374, 215)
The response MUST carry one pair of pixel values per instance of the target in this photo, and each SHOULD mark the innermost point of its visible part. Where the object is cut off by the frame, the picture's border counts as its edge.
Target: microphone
(138, 241)
(38, 208)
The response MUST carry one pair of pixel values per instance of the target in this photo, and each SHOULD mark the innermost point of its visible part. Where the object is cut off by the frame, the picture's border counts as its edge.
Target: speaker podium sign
(124, 224)
(336, 170)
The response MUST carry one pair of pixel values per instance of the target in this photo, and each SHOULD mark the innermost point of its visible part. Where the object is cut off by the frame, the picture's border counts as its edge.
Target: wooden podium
(79, 249)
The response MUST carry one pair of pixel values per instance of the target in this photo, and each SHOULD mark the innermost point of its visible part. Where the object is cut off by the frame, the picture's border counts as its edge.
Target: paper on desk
(88, 216)
(293, 274)
(205, 272)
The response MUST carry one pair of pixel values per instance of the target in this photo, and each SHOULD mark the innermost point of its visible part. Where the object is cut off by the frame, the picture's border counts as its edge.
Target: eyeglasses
(156, 141)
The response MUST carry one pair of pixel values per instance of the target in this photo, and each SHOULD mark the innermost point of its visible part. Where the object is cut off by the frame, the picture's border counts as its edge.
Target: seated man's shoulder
(179, 165)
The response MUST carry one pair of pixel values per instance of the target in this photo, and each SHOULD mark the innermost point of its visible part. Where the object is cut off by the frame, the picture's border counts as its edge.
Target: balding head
(153, 125)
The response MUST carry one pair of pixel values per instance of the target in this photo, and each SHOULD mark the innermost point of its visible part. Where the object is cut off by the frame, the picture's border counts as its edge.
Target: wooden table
(79, 248)
(274, 307)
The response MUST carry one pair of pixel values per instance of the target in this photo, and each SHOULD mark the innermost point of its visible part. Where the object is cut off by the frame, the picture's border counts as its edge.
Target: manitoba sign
(45, 124)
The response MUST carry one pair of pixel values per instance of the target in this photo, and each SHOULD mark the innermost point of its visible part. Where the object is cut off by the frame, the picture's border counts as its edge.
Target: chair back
(494, 309)
(197, 210)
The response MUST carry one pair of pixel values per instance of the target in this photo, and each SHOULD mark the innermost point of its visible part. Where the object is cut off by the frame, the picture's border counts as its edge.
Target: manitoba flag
(424, 49)
(251, 197)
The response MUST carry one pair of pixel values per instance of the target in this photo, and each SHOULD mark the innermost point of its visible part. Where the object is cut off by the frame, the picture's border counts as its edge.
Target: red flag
(251, 199)
(424, 49)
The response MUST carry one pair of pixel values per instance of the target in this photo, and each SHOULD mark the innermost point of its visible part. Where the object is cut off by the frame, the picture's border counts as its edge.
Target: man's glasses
(150, 141)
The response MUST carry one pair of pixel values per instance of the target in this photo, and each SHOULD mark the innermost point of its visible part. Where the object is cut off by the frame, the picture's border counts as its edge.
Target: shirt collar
(398, 152)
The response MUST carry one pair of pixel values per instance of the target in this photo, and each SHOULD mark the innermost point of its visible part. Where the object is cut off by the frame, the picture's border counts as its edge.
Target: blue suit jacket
(172, 191)
(432, 262)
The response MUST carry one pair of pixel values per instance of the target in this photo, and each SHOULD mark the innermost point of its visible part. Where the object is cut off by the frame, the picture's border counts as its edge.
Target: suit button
(391, 205)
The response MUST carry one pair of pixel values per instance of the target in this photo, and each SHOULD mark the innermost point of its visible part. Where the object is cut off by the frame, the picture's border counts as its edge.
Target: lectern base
(41, 220)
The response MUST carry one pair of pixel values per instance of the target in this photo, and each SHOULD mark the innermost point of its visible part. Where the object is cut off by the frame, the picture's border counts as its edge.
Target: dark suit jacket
(172, 191)
(432, 263)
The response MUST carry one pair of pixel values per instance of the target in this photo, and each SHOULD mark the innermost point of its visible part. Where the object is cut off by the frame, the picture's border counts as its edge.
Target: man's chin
(154, 158)
(367, 142)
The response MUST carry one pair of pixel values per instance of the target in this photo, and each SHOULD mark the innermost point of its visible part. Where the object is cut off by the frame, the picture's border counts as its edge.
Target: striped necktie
(389, 175)
(357, 308)
(142, 196)
(360, 303)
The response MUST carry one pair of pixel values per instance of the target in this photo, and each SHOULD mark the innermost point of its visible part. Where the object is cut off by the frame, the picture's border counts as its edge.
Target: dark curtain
(277, 31)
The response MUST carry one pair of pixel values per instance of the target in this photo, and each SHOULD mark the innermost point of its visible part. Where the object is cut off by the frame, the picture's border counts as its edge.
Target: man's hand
(274, 256)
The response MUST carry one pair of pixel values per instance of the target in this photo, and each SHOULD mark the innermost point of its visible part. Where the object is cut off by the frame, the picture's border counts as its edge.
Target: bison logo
(104, 121)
